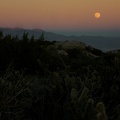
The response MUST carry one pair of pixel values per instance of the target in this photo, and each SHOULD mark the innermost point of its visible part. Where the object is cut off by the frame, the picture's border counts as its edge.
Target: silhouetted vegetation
(38, 82)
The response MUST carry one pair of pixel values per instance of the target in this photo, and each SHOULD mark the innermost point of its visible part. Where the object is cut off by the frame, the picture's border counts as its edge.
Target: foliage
(38, 83)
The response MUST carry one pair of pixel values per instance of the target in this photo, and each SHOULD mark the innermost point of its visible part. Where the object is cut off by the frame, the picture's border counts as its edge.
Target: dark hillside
(43, 80)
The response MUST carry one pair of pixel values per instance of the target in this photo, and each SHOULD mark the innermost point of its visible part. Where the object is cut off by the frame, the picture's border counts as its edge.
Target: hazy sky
(68, 16)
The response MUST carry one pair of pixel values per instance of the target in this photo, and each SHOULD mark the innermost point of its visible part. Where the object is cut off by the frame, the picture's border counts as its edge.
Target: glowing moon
(97, 15)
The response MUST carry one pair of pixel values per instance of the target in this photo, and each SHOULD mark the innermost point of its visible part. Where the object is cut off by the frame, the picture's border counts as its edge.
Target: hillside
(43, 80)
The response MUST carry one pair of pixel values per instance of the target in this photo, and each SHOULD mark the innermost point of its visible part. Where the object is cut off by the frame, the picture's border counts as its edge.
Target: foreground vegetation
(39, 83)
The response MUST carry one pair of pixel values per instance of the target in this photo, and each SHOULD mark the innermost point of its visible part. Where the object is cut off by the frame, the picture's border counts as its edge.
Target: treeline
(24, 54)
(39, 83)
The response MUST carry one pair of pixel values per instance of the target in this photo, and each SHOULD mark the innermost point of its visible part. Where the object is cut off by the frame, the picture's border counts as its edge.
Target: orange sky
(60, 14)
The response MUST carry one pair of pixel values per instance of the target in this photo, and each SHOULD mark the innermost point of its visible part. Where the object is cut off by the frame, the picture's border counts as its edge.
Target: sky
(62, 16)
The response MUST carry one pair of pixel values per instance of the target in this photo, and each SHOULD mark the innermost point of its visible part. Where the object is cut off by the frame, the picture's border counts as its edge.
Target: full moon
(97, 15)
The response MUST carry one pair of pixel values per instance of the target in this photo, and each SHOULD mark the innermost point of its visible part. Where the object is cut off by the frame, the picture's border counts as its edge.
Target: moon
(97, 15)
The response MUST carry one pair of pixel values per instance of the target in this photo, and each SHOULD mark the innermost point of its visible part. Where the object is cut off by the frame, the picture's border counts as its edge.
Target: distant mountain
(36, 32)
(99, 42)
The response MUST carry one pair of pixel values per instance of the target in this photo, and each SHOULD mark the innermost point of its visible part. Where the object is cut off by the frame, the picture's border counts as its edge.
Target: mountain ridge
(105, 43)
